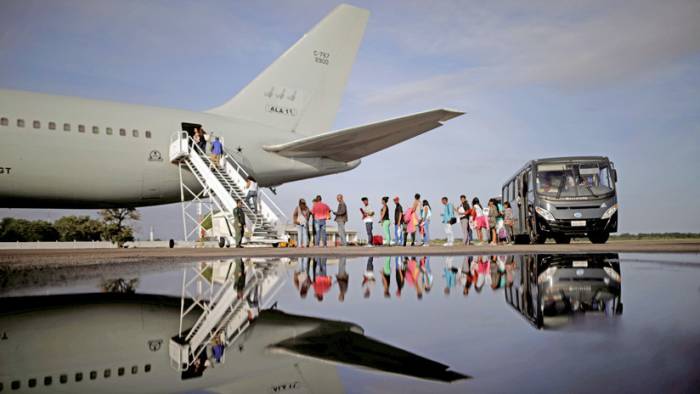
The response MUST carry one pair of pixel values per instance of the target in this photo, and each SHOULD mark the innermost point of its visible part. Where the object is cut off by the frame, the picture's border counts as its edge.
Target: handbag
(453, 220)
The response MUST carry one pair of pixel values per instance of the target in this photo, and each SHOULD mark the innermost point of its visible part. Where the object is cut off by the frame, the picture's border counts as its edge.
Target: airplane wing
(356, 142)
(349, 347)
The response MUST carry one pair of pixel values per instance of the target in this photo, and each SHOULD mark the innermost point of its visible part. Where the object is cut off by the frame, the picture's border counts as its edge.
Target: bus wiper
(591, 191)
(561, 185)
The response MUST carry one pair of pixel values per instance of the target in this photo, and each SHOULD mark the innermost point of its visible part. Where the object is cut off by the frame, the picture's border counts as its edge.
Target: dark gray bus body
(563, 198)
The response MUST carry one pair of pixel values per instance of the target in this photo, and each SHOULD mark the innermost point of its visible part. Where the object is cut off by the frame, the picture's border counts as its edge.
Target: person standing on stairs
(216, 151)
(251, 196)
(239, 222)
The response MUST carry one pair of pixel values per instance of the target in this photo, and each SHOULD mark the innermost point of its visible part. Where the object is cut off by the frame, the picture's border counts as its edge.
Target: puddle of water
(546, 323)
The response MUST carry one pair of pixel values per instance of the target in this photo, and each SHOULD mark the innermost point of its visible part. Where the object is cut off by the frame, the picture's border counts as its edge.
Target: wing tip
(451, 113)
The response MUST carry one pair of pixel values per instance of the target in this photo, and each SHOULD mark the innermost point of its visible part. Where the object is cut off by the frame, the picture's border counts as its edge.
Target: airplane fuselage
(119, 343)
(58, 151)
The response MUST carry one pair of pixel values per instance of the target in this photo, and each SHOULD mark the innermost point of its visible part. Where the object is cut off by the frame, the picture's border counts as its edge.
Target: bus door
(522, 203)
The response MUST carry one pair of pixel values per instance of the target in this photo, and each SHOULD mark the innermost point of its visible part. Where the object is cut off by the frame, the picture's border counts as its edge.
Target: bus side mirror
(614, 175)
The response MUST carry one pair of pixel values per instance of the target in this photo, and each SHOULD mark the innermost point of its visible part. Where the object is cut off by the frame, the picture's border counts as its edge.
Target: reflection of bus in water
(549, 289)
(563, 197)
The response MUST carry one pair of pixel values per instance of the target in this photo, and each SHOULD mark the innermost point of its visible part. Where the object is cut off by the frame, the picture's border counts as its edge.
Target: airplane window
(108, 373)
(37, 124)
(120, 371)
(52, 125)
(148, 134)
(20, 122)
(81, 128)
(15, 385)
(135, 133)
(93, 375)
(108, 131)
(63, 379)
(79, 377)
(4, 122)
(134, 370)
(122, 132)
(66, 127)
(147, 368)
(32, 382)
(47, 380)
(95, 130)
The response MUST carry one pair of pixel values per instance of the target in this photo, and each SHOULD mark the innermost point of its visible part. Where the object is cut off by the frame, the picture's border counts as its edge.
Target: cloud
(564, 45)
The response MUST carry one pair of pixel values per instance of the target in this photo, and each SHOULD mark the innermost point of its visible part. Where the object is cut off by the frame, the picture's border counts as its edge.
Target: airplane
(117, 342)
(66, 152)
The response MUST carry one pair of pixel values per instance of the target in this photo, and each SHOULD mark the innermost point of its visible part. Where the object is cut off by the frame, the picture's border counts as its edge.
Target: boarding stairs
(226, 184)
(225, 311)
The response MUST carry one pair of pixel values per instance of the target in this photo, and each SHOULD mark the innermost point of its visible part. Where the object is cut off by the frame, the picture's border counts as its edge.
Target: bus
(563, 198)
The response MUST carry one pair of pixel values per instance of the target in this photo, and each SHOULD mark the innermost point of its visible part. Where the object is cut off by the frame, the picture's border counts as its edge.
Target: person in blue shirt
(217, 149)
(448, 219)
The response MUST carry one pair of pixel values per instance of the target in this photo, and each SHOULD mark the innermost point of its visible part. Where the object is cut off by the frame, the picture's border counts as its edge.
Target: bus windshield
(566, 180)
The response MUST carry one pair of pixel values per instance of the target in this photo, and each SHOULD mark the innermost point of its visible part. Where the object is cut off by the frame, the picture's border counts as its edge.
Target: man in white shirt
(251, 196)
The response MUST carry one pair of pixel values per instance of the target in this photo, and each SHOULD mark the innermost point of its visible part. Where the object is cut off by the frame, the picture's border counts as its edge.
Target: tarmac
(19, 259)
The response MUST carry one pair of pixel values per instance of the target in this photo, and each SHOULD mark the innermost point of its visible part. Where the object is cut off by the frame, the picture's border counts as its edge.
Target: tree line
(113, 225)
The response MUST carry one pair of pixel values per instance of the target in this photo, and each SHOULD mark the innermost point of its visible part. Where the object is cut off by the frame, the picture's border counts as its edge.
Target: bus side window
(512, 190)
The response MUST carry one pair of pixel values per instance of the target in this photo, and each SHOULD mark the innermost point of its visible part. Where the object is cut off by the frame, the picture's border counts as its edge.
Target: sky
(536, 79)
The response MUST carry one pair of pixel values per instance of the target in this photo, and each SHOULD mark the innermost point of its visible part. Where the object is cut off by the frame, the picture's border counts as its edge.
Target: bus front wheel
(599, 238)
(536, 237)
(562, 239)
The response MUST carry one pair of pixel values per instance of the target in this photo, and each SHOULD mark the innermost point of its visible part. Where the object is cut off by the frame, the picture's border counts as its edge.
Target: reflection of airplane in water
(113, 342)
(549, 289)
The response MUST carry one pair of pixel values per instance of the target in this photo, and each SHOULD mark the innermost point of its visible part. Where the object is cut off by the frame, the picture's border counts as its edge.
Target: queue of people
(409, 272)
(479, 225)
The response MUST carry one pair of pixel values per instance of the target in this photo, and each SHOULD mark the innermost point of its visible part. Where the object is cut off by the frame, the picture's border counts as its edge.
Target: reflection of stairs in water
(226, 305)
(226, 184)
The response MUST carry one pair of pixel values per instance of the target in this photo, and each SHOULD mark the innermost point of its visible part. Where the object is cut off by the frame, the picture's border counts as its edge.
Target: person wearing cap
(398, 221)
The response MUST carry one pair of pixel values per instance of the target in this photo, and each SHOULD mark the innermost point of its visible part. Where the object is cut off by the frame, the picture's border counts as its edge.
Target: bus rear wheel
(599, 238)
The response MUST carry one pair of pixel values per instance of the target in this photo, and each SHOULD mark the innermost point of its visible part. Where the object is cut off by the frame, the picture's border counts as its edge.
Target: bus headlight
(545, 214)
(611, 211)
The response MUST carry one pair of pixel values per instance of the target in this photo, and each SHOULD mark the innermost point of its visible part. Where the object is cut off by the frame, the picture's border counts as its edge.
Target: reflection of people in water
(217, 349)
(368, 277)
(322, 282)
(498, 268)
(239, 273)
(304, 278)
(386, 276)
(400, 268)
(465, 275)
(427, 273)
(483, 271)
(342, 278)
(413, 276)
(510, 267)
(449, 272)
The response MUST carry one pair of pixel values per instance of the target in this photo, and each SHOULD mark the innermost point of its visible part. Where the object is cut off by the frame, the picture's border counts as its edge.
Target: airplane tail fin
(301, 91)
